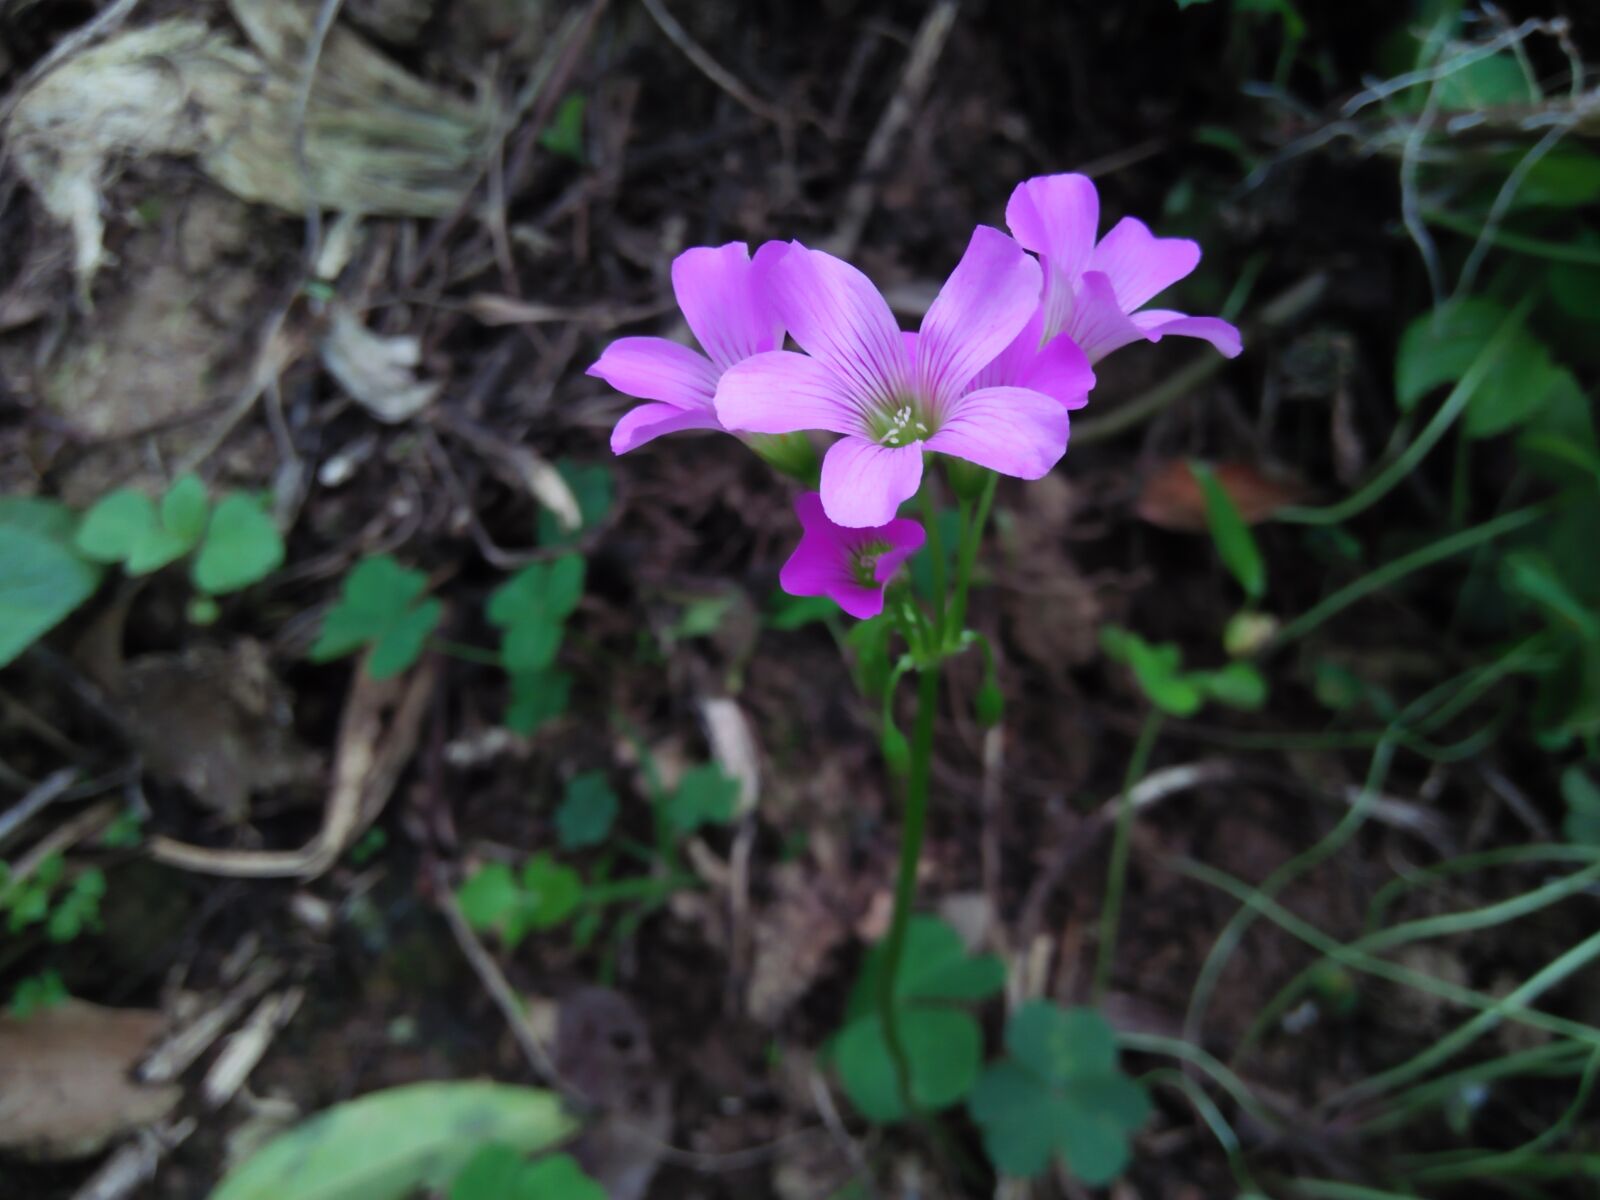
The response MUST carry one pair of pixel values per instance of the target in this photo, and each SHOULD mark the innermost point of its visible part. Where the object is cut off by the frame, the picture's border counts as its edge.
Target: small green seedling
(1158, 670)
(381, 606)
(587, 812)
(43, 575)
(497, 1172)
(1059, 1093)
(593, 489)
(37, 993)
(705, 795)
(531, 609)
(537, 698)
(45, 898)
(942, 1041)
(564, 135)
(234, 544)
(513, 904)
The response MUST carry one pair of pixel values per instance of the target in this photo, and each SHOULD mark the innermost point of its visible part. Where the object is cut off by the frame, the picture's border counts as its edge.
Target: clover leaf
(126, 527)
(242, 546)
(942, 1041)
(378, 607)
(499, 1172)
(1060, 1092)
(537, 697)
(704, 796)
(588, 811)
(532, 607)
(1158, 670)
(541, 895)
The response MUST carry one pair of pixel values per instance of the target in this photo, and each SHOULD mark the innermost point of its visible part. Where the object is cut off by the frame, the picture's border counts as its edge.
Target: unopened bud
(791, 453)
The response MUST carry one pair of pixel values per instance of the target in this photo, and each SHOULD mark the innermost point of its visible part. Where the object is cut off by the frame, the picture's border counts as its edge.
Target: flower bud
(966, 479)
(896, 750)
(991, 704)
(791, 453)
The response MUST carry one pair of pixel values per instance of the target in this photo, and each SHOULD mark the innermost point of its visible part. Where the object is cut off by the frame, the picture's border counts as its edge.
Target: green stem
(1385, 480)
(1117, 877)
(1565, 252)
(930, 520)
(905, 884)
(971, 539)
(466, 653)
(1391, 572)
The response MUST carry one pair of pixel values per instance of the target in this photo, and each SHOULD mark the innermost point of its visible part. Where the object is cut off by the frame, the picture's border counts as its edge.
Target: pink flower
(723, 296)
(849, 566)
(1093, 290)
(891, 396)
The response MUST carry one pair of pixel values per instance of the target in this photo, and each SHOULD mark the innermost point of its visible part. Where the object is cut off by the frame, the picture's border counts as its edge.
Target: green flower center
(904, 423)
(864, 562)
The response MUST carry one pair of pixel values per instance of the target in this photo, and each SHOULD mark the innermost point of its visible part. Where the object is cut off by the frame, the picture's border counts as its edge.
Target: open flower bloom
(723, 297)
(892, 396)
(849, 566)
(1059, 368)
(1093, 290)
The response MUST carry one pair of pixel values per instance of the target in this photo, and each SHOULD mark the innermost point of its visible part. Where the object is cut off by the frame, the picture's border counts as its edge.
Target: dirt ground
(200, 340)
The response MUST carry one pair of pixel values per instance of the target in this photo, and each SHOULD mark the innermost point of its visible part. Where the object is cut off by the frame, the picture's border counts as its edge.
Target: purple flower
(849, 566)
(891, 395)
(722, 293)
(1093, 290)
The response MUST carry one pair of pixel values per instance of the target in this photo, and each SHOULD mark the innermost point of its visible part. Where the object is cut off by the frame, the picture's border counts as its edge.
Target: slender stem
(971, 539)
(1454, 405)
(1382, 577)
(905, 885)
(1116, 879)
(930, 518)
(466, 653)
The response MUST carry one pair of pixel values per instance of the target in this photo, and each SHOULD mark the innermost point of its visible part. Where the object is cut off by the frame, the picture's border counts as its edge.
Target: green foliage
(65, 909)
(704, 796)
(1158, 670)
(588, 811)
(499, 1172)
(242, 546)
(1439, 347)
(564, 135)
(1582, 795)
(379, 607)
(786, 613)
(125, 830)
(390, 1144)
(943, 1043)
(593, 488)
(1235, 543)
(1059, 1092)
(43, 577)
(126, 527)
(537, 698)
(542, 895)
(531, 608)
(37, 993)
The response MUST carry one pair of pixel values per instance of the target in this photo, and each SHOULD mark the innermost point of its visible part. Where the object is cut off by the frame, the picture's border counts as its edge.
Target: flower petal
(983, 305)
(1061, 371)
(1011, 430)
(653, 368)
(1158, 323)
(905, 538)
(1098, 324)
(863, 483)
(719, 291)
(649, 421)
(840, 319)
(784, 392)
(1056, 216)
(1141, 265)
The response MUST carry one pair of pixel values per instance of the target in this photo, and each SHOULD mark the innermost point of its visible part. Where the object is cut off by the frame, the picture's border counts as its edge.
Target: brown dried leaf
(1171, 497)
(66, 1088)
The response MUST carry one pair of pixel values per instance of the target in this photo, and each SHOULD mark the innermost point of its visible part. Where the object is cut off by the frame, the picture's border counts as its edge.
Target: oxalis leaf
(387, 1145)
(532, 607)
(42, 578)
(377, 607)
(944, 1046)
(242, 546)
(1059, 1093)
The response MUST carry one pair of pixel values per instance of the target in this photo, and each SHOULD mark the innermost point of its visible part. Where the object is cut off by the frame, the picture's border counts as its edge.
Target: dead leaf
(379, 373)
(65, 1083)
(1171, 496)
